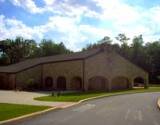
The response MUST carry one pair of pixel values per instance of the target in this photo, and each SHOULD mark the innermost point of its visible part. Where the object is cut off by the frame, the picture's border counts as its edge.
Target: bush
(31, 84)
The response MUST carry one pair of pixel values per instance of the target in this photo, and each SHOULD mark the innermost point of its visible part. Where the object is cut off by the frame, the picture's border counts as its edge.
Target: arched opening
(76, 83)
(61, 83)
(139, 82)
(2, 85)
(98, 83)
(49, 82)
(120, 83)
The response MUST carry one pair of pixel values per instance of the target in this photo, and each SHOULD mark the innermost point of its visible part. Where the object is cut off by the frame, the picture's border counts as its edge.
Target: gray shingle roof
(36, 61)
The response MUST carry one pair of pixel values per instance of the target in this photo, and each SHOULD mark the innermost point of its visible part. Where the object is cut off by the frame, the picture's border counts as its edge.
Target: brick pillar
(146, 83)
(131, 83)
(67, 83)
(85, 85)
(109, 85)
(54, 83)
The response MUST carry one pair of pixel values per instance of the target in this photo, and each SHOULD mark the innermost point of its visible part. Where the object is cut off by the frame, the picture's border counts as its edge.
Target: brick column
(109, 85)
(131, 83)
(146, 83)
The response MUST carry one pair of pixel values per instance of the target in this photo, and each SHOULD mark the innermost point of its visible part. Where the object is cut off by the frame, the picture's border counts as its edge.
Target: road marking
(84, 108)
(138, 115)
(127, 114)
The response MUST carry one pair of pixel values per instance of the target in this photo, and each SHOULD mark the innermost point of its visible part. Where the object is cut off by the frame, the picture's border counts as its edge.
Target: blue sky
(79, 22)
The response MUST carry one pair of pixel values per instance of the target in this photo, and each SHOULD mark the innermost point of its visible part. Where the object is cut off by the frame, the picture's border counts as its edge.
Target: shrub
(31, 84)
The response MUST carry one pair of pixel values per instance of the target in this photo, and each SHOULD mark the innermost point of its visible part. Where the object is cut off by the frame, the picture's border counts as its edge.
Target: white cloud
(154, 14)
(118, 11)
(69, 29)
(10, 28)
(94, 32)
(67, 21)
(61, 8)
(129, 19)
(28, 5)
(49, 2)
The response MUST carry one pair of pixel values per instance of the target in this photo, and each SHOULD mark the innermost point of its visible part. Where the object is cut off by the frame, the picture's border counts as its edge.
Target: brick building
(96, 69)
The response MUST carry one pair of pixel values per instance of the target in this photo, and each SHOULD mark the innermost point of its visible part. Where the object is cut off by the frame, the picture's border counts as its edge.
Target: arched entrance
(61, 83)
(120, 83)
(139, 82)
(2, 85)
(49, 83)
(76, 83)
(98, 83)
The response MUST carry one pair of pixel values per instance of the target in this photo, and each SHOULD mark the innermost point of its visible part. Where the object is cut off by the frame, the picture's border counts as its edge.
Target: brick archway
(139, 82)
(98, 83)
(2, 85)
(76, 83)
(48, 82)
(120, 83)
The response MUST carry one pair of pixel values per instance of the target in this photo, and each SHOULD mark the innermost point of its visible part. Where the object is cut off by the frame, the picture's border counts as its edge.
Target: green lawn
(8, 111)
(77, 96)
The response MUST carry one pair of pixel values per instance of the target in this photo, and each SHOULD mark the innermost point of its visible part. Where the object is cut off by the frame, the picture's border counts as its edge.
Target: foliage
(31, 84)
(105, 40)
(21, 49)
(145, 55)
(8, 111)
(77, 96)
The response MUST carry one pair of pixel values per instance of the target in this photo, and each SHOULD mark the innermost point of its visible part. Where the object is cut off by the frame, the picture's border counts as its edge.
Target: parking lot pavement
(22, 97)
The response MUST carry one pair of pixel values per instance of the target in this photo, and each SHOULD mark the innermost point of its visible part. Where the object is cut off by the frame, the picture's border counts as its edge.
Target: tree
(106, 40)
(122, 38)
(48, 48)
(138, 53)
(125, 51)
(19, 49)
(153, 59)
(4, 59)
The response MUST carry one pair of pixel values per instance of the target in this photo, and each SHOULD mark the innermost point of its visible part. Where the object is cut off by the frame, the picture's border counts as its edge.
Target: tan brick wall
(7, 81)
(106, 64)
(68, 69)
(11, 81)
(22, 78)
(3, 81)
(121, 66)
(111, 65)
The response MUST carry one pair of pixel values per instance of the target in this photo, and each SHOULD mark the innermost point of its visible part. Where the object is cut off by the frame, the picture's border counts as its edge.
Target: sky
(77, 23)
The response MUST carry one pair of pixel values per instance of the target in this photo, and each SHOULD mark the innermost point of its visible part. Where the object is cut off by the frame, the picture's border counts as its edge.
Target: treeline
(13, 51)
(145, 55)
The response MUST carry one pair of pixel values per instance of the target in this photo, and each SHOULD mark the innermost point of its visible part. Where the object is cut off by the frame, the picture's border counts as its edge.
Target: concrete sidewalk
(21, 97)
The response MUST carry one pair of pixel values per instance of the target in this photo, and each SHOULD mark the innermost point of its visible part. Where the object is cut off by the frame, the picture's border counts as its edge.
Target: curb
(28, 115)
(47, 110)
(63, 107)
(87, 99)
(158, 103)
(102, 96)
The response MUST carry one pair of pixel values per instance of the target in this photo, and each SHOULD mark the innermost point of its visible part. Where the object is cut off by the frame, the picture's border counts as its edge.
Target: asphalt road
(133, 109)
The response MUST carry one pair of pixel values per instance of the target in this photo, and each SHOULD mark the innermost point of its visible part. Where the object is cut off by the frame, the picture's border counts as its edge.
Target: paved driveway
(133, 109)
(21, 97)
